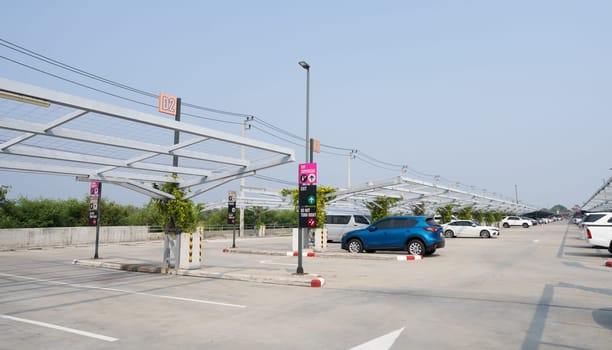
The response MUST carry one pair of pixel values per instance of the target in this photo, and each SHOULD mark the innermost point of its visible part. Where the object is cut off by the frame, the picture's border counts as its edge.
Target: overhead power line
(287, 136)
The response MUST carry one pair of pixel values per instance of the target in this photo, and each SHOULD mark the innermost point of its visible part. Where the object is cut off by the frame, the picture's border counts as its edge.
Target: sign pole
(234, 237)
(98, 225)
(307, 206)
(231, 214)
(95, 193)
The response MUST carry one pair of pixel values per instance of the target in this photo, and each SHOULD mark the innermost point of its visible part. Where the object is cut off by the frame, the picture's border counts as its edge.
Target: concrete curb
(409, 257)
(319, 254)
(305, 280)
(307, 254)
(134, 267)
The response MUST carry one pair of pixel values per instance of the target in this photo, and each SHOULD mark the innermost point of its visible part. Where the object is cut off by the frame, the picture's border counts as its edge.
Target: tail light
(430, 229)
(588, 232)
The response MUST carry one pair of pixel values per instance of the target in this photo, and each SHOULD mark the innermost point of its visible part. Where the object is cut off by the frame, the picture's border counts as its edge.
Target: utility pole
(245, 126)
(516, 193)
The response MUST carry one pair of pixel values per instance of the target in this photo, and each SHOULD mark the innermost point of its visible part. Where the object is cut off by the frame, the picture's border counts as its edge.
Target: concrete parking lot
(536, 288)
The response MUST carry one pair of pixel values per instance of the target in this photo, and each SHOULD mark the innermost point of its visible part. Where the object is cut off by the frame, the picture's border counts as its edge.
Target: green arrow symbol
(312, 200)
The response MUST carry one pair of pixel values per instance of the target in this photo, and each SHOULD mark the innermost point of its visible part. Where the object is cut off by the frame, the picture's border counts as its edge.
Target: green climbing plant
(179, 212)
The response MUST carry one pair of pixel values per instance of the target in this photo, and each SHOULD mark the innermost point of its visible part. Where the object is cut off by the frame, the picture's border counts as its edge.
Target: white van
(339, 222)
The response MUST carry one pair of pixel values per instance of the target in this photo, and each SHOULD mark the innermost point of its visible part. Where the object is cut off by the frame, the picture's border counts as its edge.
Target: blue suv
(419, 235)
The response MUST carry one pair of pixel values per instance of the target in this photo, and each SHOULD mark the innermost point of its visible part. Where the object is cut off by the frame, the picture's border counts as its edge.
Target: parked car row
(596, 229)
(418, 235)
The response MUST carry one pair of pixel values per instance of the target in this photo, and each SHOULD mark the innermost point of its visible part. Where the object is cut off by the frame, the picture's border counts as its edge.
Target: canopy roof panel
(46, 131)
(601, 200)
(408, 192)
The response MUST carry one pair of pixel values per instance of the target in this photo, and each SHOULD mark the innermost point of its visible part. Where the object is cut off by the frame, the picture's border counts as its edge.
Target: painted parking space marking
(123, 291)
(381, 343)
(270, 262)
(61, 328)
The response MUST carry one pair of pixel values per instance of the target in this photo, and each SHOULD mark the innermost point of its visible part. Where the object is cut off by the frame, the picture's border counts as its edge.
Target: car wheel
(525, 225)
(485, 234)
(449, 234)
(354, 246)
(610, 248)
(506, 225)
(415, 247)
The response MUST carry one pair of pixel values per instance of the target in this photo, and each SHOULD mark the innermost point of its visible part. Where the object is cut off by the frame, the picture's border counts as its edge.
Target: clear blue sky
(487, 94)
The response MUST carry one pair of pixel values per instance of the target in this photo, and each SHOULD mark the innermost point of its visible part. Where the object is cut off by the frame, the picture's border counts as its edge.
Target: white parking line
(269, 262)
(124, 291)
(60, 328)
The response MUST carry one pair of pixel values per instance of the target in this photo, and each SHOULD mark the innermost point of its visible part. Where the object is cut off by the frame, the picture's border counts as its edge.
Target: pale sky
(484, 94)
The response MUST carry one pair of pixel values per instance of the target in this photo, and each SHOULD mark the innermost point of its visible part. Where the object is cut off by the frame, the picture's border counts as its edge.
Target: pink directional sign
(94, 188)
(307, 174)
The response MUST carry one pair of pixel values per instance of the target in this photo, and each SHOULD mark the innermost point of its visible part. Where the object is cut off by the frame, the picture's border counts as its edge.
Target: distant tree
(446, 212)
(379, 208)
(465, 213)
(558, 209)
(418, 209)
(216, 217)
(7, 209)
(478, 215)
(498, 216)
(3, 192)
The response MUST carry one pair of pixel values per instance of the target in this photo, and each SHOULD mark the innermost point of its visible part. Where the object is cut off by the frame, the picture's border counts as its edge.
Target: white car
(516, 221)
(596, 229)
(468, 228)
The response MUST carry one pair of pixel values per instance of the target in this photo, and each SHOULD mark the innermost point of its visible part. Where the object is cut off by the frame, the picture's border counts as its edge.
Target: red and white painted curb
(295, 253)
(608, 263)
(317, 282)
(409, 257)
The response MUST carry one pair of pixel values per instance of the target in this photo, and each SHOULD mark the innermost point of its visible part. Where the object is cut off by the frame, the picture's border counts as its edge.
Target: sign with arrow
(307, 199)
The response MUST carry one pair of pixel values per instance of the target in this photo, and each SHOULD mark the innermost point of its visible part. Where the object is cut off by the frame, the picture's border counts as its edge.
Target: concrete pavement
(147, 264)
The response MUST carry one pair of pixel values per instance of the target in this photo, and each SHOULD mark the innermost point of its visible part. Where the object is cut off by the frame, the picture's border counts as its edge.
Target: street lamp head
(304, 64)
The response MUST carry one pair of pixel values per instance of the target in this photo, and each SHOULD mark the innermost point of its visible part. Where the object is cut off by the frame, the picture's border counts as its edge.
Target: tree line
(34, 213)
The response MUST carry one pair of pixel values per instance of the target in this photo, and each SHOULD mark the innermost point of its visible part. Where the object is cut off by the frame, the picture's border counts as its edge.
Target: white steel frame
(601, 200)
(137, 172)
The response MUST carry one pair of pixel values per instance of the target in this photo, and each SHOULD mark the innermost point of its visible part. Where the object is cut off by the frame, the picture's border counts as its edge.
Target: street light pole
(307, 67)
(300, 269)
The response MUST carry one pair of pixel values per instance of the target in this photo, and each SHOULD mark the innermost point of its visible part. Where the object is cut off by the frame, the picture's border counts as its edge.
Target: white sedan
(468, 228)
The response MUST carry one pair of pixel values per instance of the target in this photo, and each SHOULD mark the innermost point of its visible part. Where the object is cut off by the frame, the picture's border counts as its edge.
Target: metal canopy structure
(408, 192)
(45, 131)
(601, 200)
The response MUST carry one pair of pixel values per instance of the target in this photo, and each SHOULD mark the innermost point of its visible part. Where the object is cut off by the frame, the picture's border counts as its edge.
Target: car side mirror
(372, 228)
(474, 225)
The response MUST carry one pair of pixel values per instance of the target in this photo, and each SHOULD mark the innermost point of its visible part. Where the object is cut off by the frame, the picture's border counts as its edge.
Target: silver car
(338, 223)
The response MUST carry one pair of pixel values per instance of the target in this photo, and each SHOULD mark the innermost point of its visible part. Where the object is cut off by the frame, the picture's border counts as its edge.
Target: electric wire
(73, 69)
(77, 83)
(359, 154)
(287, 133)
(272, 179)
(276, 136)
(79, 71)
